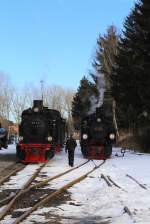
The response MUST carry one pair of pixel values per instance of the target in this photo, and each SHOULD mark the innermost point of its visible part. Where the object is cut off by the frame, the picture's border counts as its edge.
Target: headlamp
(112, 136)
(49, 138)
(85, 136)
(99, 119)
(36, 109)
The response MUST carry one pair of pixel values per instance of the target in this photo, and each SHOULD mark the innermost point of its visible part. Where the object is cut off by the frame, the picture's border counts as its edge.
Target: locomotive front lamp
(20, 138)
(98, 119)
(112, 136)
(49, 138)
(85, 136)
(36, 109)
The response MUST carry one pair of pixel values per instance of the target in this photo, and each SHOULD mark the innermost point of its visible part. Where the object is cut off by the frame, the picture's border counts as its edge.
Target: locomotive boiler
(41, 133)
(98, 134)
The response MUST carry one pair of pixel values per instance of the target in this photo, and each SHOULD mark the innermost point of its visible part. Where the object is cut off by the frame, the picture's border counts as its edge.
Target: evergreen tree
(131, 76)
(81, 101)
(105, 55)
(107, 49)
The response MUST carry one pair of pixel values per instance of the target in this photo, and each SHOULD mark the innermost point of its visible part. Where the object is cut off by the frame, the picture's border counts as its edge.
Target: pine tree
(107, 49)
(105, 54)
(81, 101)
(131, 76)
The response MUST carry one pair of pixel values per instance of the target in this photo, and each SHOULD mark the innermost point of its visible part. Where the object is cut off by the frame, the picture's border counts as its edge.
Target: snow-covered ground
(92, 200)
(7, 156)
(10, 150)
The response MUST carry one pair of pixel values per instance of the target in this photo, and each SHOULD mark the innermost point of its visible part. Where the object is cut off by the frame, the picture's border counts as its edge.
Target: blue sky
(54, 40)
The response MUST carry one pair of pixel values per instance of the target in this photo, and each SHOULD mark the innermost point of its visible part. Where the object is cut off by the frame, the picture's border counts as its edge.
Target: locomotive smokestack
(38, 104)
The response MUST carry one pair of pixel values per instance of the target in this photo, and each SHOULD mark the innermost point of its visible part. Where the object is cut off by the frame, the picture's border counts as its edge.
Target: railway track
(30, 185)
(46, 196)
(6, 173)
(16, 196)
(43, 198)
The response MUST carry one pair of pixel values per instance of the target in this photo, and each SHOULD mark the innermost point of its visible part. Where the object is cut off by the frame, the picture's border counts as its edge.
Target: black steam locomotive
(98, 134)
(41, 133)
(3, 138)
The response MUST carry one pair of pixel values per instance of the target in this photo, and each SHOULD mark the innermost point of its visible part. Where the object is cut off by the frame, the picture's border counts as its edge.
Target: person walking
(70, 148)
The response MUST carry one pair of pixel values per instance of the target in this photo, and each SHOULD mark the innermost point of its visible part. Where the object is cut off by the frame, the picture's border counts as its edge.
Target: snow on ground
(10, 150)
(19, 180)
(16, 182)
(7, 156)
(92, 201)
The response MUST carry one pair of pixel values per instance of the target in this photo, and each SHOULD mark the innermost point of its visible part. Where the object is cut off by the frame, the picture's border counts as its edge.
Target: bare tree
(31, 93)
(69, 93)
(23, 99)
(19, 104)
(54, 98)
(59, 98)
(6, 94)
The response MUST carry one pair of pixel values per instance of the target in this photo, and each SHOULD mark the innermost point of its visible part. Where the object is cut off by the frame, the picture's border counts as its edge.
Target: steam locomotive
(98, 134)
(3, 138)
(41, 133)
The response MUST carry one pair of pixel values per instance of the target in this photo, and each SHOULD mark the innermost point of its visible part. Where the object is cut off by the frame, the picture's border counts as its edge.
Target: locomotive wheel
(108, 151)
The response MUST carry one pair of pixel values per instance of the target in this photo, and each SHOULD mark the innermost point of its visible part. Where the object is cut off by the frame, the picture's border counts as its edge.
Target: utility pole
(42, 88)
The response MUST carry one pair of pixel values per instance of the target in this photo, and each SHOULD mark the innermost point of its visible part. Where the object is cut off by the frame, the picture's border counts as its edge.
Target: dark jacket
(71, 144)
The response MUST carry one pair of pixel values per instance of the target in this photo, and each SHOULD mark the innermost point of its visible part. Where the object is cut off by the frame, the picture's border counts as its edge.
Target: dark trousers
(71, 157)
